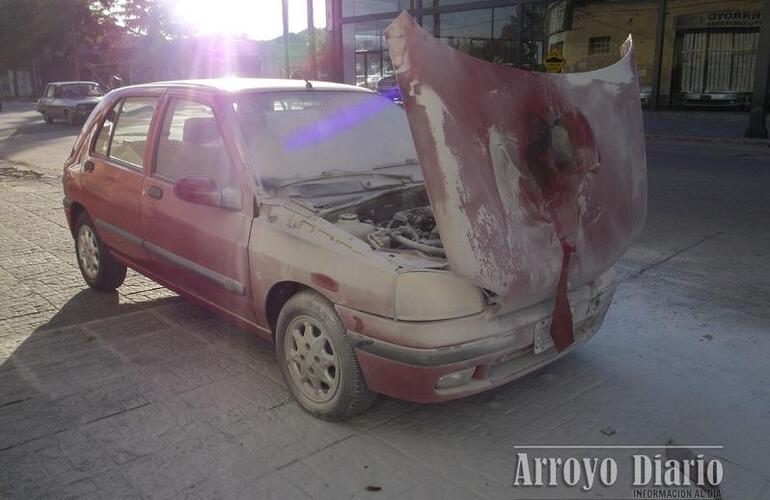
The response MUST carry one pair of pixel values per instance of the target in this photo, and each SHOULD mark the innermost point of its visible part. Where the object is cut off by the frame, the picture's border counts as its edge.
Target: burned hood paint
(537, 181)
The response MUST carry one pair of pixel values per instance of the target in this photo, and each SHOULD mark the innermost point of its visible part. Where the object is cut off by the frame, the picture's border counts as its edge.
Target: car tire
(70, 117)
(317, 359)
(47, 118)
(99, 268)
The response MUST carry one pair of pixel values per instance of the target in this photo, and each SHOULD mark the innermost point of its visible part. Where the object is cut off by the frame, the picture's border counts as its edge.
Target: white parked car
(70, 101)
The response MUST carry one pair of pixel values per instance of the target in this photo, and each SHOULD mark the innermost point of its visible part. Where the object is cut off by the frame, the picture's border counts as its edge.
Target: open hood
(536, 180)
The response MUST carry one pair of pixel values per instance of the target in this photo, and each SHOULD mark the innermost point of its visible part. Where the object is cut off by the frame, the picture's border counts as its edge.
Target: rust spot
(324, 281)
(561, 319)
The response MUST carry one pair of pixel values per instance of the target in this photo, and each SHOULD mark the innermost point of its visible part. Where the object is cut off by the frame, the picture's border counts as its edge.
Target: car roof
(74, 81)
(233, 85)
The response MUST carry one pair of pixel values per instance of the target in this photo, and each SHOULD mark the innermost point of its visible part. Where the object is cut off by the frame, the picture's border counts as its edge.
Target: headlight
(435, 295)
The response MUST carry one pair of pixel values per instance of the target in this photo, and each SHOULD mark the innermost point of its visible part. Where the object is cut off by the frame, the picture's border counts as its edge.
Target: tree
(152, 25)
(151, 18)
(46, 36)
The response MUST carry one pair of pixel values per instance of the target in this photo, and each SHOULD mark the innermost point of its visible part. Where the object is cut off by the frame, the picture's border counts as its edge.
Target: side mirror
(198, 189)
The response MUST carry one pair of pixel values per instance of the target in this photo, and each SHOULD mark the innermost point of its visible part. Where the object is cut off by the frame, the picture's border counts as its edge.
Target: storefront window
(469, 31)
(427, 24)
(488, 34)
(366, 56)
(505, 26)
(427, 4)
(364, 7)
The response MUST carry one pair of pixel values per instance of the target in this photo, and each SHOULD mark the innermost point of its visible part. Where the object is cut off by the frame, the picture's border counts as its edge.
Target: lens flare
(255, 19)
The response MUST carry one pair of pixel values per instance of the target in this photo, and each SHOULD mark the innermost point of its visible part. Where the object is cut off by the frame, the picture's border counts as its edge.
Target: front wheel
(99, 269)
(317, 360)
(47, 118)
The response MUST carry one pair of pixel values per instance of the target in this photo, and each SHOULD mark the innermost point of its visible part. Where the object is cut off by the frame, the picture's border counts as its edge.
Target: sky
(257, 19)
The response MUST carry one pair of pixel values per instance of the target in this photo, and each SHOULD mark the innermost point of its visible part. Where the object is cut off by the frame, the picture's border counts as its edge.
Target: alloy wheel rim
(88, 252)
(312, 361)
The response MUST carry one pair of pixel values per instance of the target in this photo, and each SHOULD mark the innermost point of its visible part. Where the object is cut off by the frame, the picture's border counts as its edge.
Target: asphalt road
(27, 140)
(142, 394)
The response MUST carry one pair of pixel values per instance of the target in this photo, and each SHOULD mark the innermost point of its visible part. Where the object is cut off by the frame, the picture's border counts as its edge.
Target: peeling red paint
(537, 181)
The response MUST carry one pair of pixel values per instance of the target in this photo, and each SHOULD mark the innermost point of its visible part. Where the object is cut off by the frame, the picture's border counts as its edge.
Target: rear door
(200, 249)
(113, 174)
(57, 104)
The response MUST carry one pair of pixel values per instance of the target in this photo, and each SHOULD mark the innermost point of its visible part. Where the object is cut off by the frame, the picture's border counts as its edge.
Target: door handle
(88, 166)
(155, 192)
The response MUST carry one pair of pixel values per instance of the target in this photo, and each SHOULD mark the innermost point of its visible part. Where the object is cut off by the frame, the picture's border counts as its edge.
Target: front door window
(191, 144)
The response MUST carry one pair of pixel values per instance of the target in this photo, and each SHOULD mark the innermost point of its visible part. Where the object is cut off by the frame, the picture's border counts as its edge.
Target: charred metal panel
(537, 181)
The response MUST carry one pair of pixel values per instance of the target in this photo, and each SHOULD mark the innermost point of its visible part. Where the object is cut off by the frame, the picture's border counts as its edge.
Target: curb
(742, 141)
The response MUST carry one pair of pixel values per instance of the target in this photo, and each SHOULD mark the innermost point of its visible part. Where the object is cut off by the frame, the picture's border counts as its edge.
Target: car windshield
(296, 137)
(81, 90)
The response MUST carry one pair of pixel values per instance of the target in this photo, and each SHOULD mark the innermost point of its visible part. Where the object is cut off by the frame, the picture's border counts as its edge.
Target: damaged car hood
(537, 181)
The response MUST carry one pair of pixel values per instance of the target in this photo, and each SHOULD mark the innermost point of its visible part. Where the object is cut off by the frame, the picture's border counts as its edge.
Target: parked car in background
(69, 101)
(388, 86)
(368, 82)
(724, 100)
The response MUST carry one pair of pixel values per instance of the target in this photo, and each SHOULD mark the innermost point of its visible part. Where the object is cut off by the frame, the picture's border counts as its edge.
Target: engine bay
(400, 221)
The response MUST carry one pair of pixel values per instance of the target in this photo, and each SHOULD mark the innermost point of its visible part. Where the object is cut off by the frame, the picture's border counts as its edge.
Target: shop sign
(720, 19)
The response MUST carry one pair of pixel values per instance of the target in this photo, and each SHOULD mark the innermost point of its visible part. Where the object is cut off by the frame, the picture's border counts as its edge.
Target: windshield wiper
(405, 163)
(335, 173)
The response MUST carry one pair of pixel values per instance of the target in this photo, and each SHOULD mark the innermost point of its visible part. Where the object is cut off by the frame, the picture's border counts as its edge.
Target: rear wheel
(317, 360)
(99, 269)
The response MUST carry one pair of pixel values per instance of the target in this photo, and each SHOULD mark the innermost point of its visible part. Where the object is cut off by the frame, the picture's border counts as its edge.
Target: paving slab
(141, 394)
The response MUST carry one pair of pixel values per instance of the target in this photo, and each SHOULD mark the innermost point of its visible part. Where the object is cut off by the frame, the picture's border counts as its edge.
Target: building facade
(708, 55)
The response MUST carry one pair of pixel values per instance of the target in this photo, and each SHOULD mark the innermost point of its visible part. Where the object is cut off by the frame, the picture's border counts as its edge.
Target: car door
(197, 245)
(58, 103)
(44, 103)
(113, 174)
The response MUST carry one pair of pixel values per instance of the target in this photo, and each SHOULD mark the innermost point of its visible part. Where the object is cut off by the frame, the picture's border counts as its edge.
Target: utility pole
(759, 99)
(335, 21)
(285, 12)
(311, 41)
(660, 29)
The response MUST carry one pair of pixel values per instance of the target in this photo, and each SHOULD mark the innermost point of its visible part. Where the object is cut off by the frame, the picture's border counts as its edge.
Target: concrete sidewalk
(701, 126)
(140, 394)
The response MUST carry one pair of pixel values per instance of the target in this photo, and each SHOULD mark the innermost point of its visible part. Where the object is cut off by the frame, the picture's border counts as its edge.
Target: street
(141, 394)
(27, 140)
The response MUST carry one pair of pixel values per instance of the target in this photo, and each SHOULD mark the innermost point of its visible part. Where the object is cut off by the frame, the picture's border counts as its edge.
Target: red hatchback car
(298, 211)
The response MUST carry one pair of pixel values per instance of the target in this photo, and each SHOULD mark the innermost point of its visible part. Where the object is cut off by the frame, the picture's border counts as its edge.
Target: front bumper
(84, 112)
(411, 372)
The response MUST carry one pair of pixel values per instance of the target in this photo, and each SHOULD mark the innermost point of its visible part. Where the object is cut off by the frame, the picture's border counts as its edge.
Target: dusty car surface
(69, 101)
(299, 211)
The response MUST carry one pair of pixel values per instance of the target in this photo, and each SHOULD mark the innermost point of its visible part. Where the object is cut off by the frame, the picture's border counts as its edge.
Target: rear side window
(123, 135)
(102, 146)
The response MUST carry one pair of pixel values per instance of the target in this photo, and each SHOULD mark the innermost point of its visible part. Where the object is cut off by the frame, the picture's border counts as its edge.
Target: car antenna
(308, 85)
